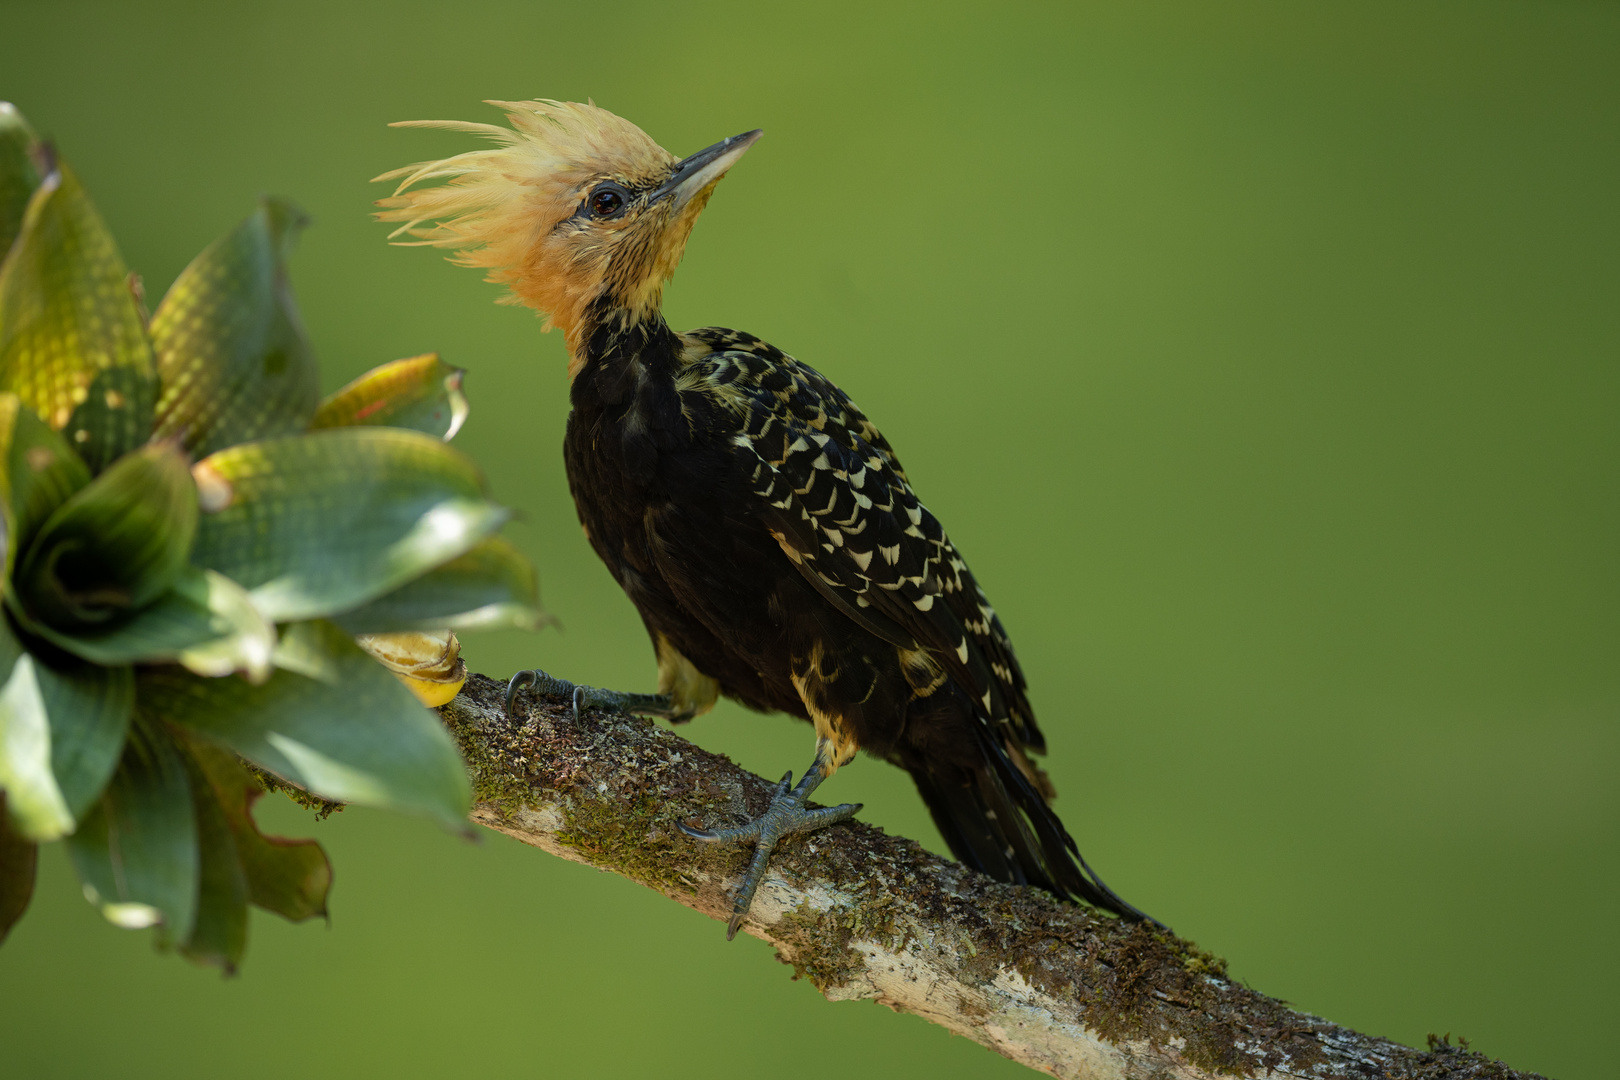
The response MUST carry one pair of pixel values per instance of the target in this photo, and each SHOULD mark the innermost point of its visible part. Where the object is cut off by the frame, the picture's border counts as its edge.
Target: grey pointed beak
(699, 170)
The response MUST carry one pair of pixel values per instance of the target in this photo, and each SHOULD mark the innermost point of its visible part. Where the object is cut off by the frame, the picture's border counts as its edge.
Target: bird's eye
(607, 202)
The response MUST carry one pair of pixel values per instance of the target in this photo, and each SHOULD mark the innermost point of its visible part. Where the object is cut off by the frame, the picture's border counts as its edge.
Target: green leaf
(18, 176)
(235, 362)
(61, 730)
(106, 427)
(247, 640)
(331, 721)
(492, 587)
(19, 858)
(113, 547)
(40, 472)
(422, 393)
(33, 797)
(137, 851)
(89, 707)
(205, 622)
(72, 343)
(316, 524)
(289, 877)
(219, 932)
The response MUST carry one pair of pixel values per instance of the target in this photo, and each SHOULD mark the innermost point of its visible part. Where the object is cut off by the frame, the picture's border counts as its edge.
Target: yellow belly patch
(691, 692)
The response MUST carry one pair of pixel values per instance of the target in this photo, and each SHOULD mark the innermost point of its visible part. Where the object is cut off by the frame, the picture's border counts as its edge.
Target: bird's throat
(609, 332)
(616, 347)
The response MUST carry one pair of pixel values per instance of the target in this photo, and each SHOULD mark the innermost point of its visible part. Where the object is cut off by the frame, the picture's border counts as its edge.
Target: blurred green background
(1263, 358)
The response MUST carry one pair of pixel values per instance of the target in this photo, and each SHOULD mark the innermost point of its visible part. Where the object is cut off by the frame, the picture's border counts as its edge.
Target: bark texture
(866, 915)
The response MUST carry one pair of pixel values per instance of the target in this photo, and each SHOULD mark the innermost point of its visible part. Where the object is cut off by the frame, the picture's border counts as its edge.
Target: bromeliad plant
(192, 542)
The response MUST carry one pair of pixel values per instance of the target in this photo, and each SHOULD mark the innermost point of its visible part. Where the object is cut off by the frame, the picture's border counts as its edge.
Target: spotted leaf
(231, 348)
(315, 525)
(73, 343)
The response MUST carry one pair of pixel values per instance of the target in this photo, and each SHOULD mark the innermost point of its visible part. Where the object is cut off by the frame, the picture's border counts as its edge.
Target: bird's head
(575, 210)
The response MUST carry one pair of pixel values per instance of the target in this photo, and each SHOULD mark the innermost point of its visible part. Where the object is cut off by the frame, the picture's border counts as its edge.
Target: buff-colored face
(578, 212)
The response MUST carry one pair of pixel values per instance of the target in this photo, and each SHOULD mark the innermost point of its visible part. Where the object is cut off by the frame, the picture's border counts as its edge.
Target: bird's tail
(997, 821)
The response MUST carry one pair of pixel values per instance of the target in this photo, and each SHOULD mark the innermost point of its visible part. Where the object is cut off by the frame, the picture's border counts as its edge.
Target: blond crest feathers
(495, 204)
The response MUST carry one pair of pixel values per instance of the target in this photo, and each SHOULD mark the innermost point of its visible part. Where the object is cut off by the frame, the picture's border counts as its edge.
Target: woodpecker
(760, 523)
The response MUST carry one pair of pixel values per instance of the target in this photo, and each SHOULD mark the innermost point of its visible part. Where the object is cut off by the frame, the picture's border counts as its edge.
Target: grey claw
(544, 686)
(749, 831)
(785, 816)
(518, 682)
(581, 698)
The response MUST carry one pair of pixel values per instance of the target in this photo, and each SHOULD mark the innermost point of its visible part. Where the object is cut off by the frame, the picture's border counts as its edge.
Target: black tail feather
(996, 821)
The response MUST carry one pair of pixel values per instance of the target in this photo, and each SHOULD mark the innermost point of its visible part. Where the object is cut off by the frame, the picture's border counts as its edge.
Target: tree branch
(865, 915)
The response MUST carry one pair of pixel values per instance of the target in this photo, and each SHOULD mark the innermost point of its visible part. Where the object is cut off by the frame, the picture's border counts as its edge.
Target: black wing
(829, 486)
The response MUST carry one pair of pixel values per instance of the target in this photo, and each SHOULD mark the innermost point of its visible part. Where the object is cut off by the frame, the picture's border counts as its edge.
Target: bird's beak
(698, 171)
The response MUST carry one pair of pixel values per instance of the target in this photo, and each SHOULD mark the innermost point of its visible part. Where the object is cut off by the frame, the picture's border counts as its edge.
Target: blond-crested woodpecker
(761, 525)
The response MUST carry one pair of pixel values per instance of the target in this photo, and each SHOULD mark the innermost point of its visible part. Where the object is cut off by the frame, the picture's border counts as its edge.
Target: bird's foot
(587, 697)
(786, 815)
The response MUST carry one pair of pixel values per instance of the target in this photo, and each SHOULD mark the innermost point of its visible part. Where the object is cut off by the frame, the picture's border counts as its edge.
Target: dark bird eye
(606, 202)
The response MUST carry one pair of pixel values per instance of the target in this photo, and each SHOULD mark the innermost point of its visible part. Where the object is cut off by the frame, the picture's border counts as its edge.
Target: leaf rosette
(193, 541)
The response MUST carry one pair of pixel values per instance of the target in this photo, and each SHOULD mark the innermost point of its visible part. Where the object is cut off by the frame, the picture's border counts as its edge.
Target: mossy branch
(865, 915)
